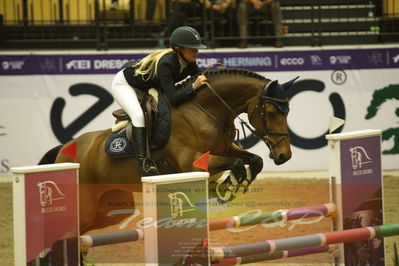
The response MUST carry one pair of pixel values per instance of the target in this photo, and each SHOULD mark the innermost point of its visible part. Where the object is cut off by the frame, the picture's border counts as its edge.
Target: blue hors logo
(179, 203)
(118, 145)
(359, 157)
(316, 60)
(50, 192)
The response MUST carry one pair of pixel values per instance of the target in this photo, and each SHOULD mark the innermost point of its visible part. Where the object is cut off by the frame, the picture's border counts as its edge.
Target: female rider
(161, 69)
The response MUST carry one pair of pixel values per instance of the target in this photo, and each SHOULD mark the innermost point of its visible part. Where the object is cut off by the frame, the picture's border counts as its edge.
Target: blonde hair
(148, 65)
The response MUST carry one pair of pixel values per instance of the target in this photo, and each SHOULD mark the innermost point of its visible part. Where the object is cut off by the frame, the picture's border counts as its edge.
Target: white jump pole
(46, 214)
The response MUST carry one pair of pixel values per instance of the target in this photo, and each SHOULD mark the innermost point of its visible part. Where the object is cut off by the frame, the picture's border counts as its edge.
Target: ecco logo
(292, 61)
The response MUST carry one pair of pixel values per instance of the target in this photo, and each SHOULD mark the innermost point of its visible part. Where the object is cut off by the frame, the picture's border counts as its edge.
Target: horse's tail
(50, 156)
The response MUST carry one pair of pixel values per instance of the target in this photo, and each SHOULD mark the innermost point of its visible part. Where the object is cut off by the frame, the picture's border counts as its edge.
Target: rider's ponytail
(147, 67)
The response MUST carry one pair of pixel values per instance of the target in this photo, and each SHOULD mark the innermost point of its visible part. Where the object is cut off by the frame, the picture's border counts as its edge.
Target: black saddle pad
(161, 132)
(118, 145)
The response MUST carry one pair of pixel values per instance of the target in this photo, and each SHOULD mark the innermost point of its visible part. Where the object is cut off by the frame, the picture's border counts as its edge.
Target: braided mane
(226, 71)
(236, 71)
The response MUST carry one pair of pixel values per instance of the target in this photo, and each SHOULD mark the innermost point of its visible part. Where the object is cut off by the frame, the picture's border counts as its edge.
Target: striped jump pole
(277, 255)
(321, 239)
(87, 241)
(322, 210)
(251, 218)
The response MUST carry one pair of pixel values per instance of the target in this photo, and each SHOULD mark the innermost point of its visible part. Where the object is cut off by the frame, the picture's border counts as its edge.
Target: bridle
(263, 100)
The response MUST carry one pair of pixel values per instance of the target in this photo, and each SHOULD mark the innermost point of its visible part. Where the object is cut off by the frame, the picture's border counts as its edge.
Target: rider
(161, 69)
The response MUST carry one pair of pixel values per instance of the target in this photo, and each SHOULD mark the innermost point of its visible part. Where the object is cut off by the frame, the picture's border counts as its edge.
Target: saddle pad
(118, 146)
(161, 133)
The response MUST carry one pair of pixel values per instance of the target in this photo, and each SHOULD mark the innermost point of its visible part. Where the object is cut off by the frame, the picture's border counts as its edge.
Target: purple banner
(258, 61)
(361, 172)
(362, 195)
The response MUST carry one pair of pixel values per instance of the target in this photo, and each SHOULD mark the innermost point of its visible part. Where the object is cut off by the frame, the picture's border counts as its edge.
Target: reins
(264, 137)
(242, 122)
(262, 100)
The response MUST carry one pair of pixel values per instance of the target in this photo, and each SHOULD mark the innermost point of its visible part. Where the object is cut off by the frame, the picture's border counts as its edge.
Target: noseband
(263, 100)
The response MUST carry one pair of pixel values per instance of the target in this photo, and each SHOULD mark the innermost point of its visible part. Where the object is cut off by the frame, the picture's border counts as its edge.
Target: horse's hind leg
(113, 206)
(88, 205)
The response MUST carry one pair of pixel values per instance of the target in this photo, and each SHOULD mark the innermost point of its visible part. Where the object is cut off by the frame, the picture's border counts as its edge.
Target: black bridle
(263, 100)
(277, 102)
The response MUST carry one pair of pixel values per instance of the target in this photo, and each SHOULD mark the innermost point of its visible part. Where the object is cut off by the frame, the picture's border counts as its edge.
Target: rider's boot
(140, 142)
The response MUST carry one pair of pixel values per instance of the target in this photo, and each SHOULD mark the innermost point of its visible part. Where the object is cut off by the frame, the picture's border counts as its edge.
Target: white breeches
(126, 97)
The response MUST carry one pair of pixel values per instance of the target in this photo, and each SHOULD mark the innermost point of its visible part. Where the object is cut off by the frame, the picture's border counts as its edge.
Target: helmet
(186, 36)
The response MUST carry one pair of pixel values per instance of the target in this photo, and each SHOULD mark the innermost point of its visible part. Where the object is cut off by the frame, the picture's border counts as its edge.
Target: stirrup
(148, 169)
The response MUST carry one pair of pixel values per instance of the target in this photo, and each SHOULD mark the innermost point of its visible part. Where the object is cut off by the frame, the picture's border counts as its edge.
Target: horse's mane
(236, 71)
(226, 71)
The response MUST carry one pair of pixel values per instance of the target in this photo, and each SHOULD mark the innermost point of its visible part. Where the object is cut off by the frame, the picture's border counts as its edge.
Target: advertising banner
(177, 206)
(357, 189)
(46, 218)
(48, 99)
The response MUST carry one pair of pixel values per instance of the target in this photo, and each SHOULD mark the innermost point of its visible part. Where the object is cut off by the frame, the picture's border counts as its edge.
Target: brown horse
(204, 123)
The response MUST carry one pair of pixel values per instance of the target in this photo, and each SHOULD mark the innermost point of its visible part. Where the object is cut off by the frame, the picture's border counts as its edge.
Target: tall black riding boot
(139, 142)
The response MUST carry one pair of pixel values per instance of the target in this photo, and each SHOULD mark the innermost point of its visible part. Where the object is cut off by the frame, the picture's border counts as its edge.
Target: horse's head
(269, 117)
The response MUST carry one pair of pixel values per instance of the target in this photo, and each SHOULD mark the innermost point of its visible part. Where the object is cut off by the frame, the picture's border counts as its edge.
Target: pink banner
(51, 197)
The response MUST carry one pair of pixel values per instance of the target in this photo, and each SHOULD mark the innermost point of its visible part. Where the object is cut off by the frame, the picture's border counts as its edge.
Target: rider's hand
(199, 82)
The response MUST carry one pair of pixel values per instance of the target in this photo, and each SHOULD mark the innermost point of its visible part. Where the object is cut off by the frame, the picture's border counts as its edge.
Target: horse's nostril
(282, 157)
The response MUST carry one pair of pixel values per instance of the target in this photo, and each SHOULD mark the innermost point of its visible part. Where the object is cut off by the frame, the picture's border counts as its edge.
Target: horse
(201, 125)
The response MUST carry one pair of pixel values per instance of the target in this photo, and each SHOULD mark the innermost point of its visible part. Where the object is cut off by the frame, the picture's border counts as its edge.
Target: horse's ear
(270, 88)
(289, 84)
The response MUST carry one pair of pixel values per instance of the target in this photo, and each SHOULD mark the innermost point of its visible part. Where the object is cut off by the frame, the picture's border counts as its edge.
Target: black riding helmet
(186, 36)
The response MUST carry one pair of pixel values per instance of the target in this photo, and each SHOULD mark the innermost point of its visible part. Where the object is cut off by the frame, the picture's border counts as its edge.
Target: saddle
(157, 120)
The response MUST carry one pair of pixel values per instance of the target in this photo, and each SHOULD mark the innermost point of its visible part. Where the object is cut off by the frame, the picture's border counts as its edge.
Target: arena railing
(137, 24)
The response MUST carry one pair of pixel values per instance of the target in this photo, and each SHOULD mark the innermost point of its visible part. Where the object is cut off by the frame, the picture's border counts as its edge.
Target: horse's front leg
(226, 185)
(254, 161)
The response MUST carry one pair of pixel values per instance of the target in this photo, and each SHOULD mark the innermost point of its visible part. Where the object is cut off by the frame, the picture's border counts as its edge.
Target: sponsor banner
(184, 208)
(70, 64)
(51, 197)
(41, 105)
(360, 172)
(357, 188)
